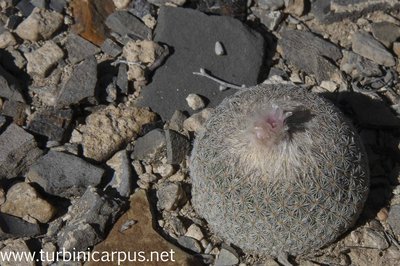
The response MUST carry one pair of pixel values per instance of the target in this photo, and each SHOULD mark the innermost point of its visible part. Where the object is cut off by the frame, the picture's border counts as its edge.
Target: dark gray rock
(176, 121)
(328, 11)
(141, 8)
(150, 147)
(356, 65)
(124, 23)
(177, 147)
(64, 175)
(227, 256)
(10, 86)
(309, 53)
(18, 150)
(232, 8)
(111, 48)
(15, 110)
(190, 243)
(79, 48)
(122, 179)
(51, 122)
(271, 4)
(89, 218)
(394, 219)
(188, 34)
(386, 32)
(26, 7)
(365, 45)
(39, 3)
(11, 227)
(270, 19)
(81, 84)
(122, 78)
(170, 196)
(58, 5)
(13, 22)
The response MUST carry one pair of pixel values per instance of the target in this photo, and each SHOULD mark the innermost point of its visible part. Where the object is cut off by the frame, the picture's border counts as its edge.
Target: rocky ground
(99, 107)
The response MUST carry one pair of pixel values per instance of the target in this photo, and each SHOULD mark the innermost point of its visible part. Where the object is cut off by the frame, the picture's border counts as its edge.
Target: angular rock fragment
(23, 201)
(111, 48)
(80, 85)
(40, 25)
(309, 53)
(58, 5)
(124, 23)
(187, 31)
(177, 147)
(150, 147)
(356, 65)
(122, 180)
(15, 110)
(89, 16)
(142, 231)
(394, 219)
(122, 79)
(88, 220)
(170, 196)
(328, 11)
(63, 174)
(43, 59)
(386, 32)
(18, 151)
(7, 39)
(10, 86)
(118, 125)
(79, 48)
(14, 247)
(11, 226)
(26, 7)
(51, 122)
(365, 45)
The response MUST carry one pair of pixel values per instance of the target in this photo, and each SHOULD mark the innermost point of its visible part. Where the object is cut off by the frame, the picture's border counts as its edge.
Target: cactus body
(278, 169)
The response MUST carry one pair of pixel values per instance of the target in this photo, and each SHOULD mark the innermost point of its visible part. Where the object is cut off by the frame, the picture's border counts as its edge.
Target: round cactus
(277, 170)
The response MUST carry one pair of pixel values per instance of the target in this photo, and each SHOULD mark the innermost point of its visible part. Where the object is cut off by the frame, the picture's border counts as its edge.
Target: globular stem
(222, 84)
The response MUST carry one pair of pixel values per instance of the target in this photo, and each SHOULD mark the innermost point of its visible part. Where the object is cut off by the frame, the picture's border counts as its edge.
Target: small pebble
(195, 101)
(219, 49)
(382, 215)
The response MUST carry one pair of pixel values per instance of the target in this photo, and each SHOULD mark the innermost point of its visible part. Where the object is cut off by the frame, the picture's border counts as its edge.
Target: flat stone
(11, 226)
(187, 32)
(177, 147)
(356, 65)
(150, 147)
(41, 61)
(195, 232)
(39, 3)
(170, 196)
(122, 79)
(26, 7)
(58, 5)
(88, 220)
(64, 175)
(15, 110)
(40, 25)
(386, 32)
(271, 4)
(231, 8)
(270, 19)
(124, 23)
(13, 22)
(122, 179)
(18, 151)
(308, 52)
(119, 125)
(394, 219)
(177, 119)
(89, 16)
(141, 8)
(190, 243)
(79, 48)
(196, 121)
(51, 122)
(23, 201)
(227, 256)
(142, 236)
(111, 48)
(80, 85)
(365, 45)
(10, 86)
(328, 11)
